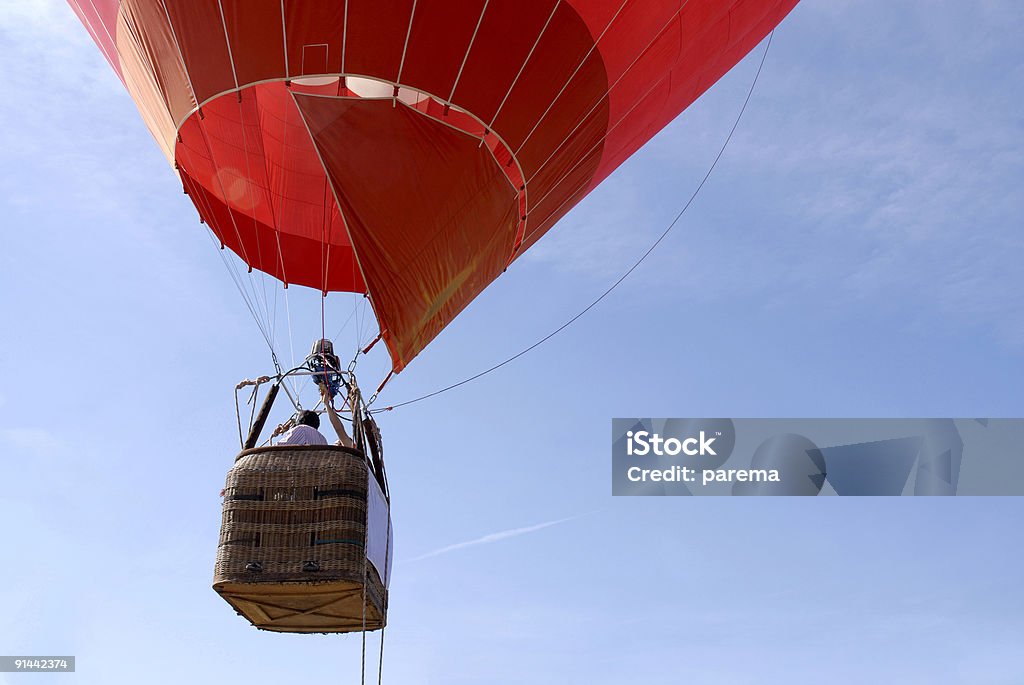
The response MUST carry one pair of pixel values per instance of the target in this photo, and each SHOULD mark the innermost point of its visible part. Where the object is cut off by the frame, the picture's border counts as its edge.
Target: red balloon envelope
(405, 149)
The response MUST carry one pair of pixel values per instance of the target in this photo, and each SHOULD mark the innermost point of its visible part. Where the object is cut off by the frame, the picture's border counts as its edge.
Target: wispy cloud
(37, 441)
(495, 537)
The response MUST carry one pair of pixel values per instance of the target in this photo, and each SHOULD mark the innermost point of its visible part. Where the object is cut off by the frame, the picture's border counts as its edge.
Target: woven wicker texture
(291, 555)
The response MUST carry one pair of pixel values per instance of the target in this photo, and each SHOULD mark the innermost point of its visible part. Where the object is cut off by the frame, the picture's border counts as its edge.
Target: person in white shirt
(305, 431)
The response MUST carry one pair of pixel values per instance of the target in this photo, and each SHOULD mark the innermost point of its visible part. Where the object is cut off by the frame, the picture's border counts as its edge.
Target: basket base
(323, 607)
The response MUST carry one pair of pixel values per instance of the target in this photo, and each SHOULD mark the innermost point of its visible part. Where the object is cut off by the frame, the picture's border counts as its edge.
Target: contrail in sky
(495, 537)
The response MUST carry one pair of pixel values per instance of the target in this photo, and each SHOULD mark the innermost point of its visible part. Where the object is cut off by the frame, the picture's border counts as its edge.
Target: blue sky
(858, 252)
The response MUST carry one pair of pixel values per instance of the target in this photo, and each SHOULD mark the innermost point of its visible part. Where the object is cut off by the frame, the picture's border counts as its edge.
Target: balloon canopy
(408, 150)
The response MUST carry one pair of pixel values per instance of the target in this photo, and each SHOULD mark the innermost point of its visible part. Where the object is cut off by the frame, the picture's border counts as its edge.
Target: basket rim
(265, 449)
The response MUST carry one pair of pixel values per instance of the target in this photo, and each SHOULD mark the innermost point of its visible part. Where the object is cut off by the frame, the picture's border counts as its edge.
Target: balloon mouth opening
(371, 88)
(317, 81)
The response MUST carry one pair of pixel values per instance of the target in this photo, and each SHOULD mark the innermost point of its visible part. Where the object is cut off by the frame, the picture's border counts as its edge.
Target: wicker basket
(291, 556)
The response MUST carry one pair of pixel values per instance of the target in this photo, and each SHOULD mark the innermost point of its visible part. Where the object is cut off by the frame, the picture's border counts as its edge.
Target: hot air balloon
(407, 150)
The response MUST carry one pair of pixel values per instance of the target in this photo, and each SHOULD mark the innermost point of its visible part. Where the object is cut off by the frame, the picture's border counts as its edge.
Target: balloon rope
(324, 235)
(277, 211)
(251, 199)
(366, 552)
(387, 578)
(629, 271)
(236, 278)
(264, 312)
